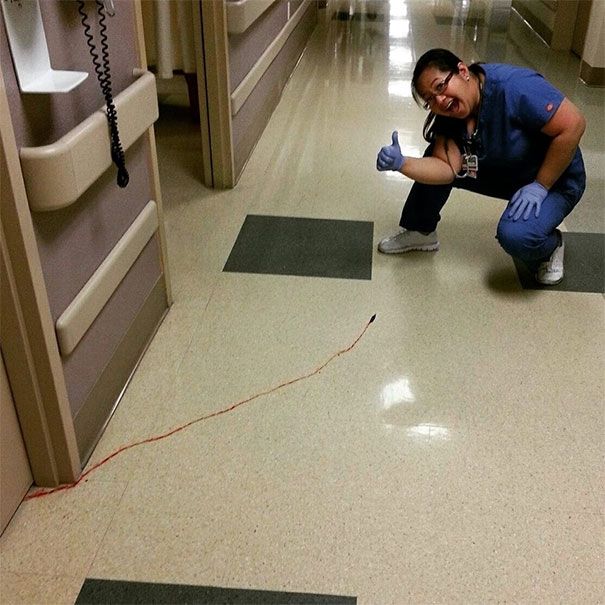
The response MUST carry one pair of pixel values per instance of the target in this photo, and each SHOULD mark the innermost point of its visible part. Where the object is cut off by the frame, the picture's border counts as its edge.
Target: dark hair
(446, 61)
(442, 59)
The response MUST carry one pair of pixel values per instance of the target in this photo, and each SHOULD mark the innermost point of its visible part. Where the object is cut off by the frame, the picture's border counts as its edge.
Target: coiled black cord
(104, 77)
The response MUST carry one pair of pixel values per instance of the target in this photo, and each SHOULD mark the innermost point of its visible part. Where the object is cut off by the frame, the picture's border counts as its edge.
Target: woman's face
(459, 98)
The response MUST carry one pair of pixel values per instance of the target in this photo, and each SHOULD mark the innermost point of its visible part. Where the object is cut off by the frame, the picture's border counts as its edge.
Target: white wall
(594, 47)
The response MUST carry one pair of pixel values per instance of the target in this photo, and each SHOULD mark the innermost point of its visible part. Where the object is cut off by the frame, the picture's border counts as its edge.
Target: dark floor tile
(282, 245)
(460, 21)
(346, 16)
(96, 591)
(584, 265)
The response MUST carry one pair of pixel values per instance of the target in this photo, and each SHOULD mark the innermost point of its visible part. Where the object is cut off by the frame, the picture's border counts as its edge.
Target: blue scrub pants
(532, 240)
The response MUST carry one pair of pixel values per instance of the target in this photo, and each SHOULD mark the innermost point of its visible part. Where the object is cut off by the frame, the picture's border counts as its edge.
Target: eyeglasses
(439, 90)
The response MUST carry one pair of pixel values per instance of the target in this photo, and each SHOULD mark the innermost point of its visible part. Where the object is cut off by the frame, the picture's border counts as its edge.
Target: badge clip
(470, 165)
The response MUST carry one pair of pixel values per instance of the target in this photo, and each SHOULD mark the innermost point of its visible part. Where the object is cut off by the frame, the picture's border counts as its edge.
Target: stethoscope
(472, 146)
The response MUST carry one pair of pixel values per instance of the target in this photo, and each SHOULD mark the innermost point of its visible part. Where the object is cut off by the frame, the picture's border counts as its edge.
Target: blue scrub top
(517, 103)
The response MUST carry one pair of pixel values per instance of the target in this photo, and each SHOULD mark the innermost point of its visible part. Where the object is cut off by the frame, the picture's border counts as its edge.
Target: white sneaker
(550, 272)
(406, 241)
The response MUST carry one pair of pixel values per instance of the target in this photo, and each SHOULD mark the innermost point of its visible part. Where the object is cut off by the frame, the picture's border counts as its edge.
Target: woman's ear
(463, 71)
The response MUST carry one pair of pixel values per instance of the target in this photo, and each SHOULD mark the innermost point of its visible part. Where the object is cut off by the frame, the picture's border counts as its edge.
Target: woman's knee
(518, 239)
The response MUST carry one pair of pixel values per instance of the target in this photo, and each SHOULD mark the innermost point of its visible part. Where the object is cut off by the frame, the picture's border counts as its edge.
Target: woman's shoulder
(520, 91)
(505, 73)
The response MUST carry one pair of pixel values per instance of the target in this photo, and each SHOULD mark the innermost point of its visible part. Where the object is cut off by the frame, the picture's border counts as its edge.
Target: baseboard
(538, 26)
(593, 76)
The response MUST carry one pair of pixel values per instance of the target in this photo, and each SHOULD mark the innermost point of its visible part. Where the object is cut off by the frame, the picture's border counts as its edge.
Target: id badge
(470, 165)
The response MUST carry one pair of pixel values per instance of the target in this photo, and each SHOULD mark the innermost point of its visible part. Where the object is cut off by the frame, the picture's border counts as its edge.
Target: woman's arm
(439, 169)
(566, 128)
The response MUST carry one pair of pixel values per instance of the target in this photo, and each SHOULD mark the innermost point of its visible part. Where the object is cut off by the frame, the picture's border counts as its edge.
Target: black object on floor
(95, 592)
(282, 245)
(346, 16)
(584, 265)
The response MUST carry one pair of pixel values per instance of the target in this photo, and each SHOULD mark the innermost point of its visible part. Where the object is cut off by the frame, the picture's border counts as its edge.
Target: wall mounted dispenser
(29, 49)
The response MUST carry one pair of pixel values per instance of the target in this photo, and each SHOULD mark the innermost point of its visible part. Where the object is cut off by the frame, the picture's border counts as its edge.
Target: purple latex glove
(389, 157)
(528, 198)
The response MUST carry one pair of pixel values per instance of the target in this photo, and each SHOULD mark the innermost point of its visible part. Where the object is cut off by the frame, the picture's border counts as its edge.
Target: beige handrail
(241, 14)
(56, 175)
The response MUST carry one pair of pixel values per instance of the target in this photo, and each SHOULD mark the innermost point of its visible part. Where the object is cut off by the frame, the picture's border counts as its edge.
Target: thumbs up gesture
(389, 157)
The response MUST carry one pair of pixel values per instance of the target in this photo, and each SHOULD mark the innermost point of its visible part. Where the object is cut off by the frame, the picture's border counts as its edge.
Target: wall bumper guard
(56, 175)
(88, 303)
(241, 14)
(247, 85)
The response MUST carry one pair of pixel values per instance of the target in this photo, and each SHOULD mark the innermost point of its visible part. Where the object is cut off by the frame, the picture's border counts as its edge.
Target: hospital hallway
(451, 451)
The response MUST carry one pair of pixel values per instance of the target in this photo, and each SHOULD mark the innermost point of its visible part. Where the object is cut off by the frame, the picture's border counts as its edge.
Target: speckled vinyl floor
(454, 455)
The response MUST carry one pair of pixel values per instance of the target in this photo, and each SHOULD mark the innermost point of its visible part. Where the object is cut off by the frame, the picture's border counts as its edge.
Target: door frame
(153, 156)
(29, 343)
(215, 91)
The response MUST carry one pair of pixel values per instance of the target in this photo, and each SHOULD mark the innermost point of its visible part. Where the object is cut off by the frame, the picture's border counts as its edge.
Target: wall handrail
(56, 175)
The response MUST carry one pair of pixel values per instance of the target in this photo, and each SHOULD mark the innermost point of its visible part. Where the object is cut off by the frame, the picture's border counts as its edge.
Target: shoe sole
(549, 283)
(427, 248)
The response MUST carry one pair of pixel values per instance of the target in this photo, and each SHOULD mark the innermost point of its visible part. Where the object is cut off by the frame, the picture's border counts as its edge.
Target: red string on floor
(46, 492)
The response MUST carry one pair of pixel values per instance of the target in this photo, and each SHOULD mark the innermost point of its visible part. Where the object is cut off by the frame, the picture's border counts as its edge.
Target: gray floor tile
(281, 245)
(115, 591)
(584, 265)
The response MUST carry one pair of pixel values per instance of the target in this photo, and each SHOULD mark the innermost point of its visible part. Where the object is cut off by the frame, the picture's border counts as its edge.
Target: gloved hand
(389, 157)
(528, 198)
